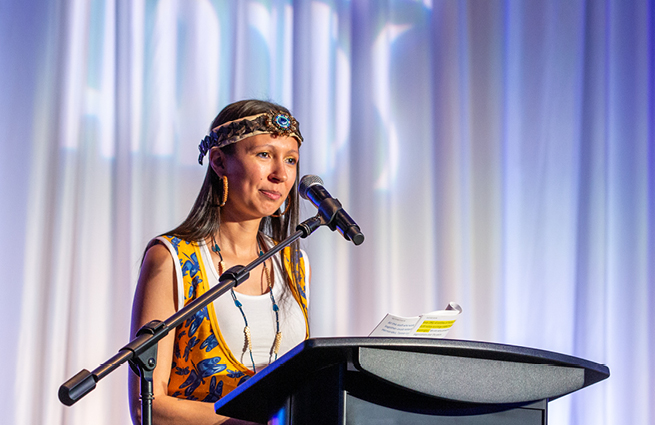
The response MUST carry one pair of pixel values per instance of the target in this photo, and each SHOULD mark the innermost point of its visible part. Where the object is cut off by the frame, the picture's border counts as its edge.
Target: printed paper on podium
(430, 325)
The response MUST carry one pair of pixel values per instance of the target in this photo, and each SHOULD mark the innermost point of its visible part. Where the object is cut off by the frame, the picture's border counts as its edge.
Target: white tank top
(261, 317)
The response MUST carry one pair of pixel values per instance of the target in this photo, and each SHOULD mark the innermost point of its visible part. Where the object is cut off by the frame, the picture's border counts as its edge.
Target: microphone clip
(328, 209)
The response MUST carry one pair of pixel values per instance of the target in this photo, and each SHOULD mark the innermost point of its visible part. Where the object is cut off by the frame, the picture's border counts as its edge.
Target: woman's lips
(272, 194)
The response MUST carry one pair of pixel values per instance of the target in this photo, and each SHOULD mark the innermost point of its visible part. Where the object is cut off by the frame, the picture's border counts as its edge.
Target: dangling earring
(286, 210)
(224, 198)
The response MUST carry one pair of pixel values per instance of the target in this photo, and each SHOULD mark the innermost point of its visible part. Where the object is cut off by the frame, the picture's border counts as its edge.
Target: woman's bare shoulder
(155, 291)
(157, 252)
(157, 264)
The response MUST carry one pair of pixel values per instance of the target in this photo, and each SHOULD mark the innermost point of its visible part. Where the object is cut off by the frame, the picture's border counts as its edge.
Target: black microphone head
(306, 182)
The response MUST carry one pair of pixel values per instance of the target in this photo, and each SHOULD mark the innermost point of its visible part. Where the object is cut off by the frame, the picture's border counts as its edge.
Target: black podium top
(441, 369)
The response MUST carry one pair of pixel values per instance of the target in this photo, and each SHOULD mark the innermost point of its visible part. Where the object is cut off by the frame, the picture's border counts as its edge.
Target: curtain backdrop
(499, 154)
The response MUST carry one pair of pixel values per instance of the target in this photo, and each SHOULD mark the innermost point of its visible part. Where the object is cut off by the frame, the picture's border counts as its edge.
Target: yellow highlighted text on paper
(429, 325)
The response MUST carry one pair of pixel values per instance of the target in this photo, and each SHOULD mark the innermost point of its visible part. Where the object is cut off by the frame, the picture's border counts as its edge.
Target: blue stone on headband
(282, 121)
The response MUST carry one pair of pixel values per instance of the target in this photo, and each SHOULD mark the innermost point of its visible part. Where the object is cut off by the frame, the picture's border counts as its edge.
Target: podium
(409, 381)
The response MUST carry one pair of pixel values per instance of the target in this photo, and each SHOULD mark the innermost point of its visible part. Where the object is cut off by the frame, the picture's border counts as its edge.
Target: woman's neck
(238, 238)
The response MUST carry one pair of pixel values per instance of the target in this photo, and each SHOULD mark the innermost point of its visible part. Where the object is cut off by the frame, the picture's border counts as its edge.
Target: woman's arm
(155, 300)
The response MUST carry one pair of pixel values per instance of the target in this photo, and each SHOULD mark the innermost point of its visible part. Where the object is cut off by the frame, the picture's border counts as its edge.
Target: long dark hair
(204, 219)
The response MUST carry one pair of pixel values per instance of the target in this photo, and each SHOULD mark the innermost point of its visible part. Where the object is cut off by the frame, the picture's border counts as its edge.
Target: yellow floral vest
(203, 366)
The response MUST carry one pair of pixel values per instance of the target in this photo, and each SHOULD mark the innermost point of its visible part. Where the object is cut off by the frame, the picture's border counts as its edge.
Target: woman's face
(261, 173)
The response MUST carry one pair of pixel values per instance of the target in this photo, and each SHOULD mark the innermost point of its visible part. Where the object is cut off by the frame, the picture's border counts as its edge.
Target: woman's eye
(263, 154)
(292, 161)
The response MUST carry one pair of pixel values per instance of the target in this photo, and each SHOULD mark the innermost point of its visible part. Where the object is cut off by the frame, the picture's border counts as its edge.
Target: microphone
(311, 188)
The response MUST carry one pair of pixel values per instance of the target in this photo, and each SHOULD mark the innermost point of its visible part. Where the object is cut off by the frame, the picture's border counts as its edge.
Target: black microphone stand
(141, 352)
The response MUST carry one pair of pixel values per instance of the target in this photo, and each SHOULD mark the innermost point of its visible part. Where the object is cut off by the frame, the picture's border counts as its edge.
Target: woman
(248, 201)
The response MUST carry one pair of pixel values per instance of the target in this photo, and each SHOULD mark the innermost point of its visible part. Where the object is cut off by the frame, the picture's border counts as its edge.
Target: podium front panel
(470, 380)
(361, 412)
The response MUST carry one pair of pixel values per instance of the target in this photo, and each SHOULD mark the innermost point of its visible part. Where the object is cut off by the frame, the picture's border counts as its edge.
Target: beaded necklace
(276, 309)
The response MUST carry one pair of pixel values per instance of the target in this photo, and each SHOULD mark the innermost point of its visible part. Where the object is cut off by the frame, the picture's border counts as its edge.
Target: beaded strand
(246, 330)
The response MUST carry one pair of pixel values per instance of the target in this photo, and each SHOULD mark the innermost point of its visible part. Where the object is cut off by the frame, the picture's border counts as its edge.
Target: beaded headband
(271, 122)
